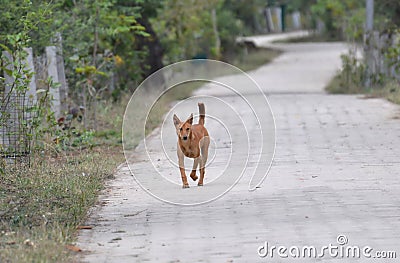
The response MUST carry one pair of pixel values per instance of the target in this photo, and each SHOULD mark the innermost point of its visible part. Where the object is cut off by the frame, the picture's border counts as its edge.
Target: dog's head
(183, 129)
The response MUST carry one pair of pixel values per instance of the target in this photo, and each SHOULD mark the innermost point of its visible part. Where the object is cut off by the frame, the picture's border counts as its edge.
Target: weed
(41, 205)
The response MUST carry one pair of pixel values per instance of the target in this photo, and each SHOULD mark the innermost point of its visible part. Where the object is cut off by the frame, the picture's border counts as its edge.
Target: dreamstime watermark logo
(339, 250)
(238, 118)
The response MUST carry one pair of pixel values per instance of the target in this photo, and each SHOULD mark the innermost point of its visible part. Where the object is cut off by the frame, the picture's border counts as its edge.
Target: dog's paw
(194, 177)
(200, 184)
(185, 186)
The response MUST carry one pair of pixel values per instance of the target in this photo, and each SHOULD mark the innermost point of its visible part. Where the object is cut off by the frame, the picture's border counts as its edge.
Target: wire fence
(15, 126)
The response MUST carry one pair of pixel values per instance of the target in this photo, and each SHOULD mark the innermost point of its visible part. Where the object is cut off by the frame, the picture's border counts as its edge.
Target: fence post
(296, 19)
(31, 91)
(61, 74)
(278, 15)
(269, 21)
(51, 56)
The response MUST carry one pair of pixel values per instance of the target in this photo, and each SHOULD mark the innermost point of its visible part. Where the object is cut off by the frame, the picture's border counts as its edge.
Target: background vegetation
(345, 20)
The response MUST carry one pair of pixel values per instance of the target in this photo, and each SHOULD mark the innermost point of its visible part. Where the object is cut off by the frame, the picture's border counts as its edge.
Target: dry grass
(338, 85)
(390, 91)
(41, 205)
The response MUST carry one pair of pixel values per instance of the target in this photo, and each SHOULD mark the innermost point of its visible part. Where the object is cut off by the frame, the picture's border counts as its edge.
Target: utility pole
(369, 39)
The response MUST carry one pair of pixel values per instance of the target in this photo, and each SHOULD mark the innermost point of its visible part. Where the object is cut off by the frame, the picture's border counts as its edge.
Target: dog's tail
(202, 112)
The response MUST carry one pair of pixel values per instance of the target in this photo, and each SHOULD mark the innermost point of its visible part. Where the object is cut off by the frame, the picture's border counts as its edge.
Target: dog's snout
(185, 138)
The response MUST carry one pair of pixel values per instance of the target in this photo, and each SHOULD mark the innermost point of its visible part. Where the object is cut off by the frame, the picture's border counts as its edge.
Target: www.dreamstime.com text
(339, 250)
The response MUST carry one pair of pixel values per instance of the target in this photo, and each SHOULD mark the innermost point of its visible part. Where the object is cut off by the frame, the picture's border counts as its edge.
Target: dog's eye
(187, 129)
(180, 129)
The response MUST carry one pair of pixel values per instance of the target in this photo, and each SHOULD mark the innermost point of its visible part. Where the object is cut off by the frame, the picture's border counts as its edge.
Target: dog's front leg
(195, 164)
(182, 168)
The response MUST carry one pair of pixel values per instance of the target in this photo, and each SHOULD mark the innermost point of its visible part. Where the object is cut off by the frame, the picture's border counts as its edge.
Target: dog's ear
(190, 119)
(177, 121)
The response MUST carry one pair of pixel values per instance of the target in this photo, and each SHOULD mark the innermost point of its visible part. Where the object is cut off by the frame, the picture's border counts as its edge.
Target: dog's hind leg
(203, 158)
(195, 164)
(202, 170)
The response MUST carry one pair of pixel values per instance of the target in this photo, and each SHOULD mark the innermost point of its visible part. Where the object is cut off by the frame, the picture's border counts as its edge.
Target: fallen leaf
(84, 227)
(73, 248)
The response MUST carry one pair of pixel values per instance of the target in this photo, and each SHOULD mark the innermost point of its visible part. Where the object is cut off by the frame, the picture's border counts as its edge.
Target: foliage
(98, 37)
(250, 13)
(342, 19)
(393, 53)
(387, 15)
(185, 28)
(229, 27)
(105, 38)
(98, 43)
(351, 77)
(29, 20)
(300, 5)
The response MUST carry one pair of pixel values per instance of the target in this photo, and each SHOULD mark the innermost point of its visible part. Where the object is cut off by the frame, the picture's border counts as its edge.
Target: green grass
(254, 58)
(389, 91)
(42, 205)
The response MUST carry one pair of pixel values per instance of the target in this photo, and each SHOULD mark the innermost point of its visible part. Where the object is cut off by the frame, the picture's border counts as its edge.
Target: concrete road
(335, 174)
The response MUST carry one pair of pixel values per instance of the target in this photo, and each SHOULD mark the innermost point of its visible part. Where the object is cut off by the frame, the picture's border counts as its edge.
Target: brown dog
(193, 142)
